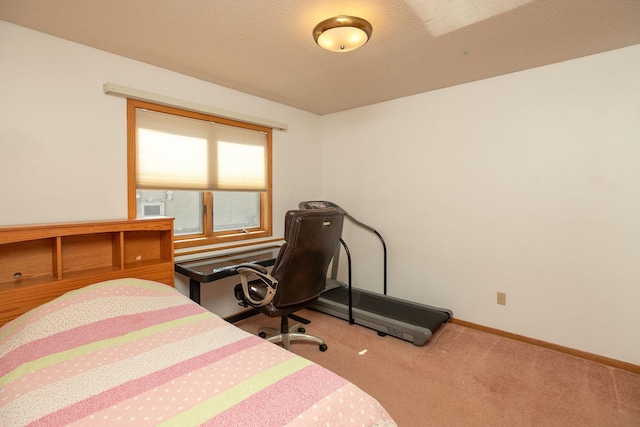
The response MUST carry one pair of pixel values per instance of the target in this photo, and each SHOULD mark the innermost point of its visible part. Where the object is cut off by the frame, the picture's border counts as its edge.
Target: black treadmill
(388, 315)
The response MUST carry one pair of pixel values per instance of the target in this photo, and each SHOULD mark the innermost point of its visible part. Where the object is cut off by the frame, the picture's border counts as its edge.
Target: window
(213, 175)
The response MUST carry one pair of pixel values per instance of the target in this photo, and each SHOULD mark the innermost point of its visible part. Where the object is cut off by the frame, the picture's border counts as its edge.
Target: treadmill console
(318, 205)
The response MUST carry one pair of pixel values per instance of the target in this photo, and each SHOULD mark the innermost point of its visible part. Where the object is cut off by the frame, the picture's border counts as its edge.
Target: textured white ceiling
(265, 47)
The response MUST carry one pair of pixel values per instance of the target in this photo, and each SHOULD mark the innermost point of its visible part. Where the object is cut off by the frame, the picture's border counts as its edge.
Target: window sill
(204, 244)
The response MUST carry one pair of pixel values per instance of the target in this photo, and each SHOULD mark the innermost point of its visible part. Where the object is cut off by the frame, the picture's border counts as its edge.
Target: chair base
(294, 333)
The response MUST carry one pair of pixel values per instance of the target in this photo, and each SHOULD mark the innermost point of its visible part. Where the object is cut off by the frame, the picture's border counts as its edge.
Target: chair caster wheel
(262, 334)
(323, 347)
(301, 330)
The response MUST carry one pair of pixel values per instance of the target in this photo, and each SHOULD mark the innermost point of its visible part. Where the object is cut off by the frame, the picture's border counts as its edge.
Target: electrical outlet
(502, 298)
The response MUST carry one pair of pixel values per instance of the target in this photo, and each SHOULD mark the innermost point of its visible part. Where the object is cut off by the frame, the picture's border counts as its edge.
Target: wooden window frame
(208, 237)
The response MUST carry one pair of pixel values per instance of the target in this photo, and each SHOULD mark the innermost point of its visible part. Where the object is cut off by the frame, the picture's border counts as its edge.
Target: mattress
(137, 352)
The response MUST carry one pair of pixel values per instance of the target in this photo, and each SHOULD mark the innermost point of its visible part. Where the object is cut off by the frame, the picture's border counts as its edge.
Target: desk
(205, 270)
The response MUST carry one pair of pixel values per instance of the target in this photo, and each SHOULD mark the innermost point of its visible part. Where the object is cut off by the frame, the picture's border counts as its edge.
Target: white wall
(527, 184)
(63, 145)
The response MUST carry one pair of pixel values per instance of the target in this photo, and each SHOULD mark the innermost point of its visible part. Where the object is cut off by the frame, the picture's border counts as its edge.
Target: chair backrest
(311, 238)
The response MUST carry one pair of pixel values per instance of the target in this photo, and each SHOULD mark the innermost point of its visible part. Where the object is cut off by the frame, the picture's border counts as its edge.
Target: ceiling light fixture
(342, 33)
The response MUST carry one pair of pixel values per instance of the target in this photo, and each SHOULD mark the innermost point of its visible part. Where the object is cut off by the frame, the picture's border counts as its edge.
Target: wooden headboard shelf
(41, 262)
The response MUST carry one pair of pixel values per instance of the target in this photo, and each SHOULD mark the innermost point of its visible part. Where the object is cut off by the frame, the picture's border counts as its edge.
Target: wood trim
(266, 200)
(208, 236)
(20, 233)
(207, 224)
(219, 240)
(131, 159)
(562, 349)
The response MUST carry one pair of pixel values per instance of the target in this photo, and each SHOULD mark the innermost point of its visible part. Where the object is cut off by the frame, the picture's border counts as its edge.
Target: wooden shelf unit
(41, 262)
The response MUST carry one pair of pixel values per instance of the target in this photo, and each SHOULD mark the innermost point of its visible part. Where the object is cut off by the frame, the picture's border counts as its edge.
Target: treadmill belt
(380, 305)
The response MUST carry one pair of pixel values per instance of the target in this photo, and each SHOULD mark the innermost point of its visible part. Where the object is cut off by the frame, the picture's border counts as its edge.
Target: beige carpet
(465, 377)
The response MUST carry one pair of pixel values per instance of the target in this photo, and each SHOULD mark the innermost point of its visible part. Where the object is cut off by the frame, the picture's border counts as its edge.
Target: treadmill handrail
(306, 205)
(384, 247)
(350, 295)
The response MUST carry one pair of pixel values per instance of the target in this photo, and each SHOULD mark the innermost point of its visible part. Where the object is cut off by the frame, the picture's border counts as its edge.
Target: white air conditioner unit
(152, 209)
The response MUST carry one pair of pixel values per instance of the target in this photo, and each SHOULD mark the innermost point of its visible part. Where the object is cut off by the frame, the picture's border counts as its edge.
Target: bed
(137, 352)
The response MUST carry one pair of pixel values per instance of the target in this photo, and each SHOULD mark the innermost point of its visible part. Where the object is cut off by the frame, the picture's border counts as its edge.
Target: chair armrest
(247, 270)
(251, 265)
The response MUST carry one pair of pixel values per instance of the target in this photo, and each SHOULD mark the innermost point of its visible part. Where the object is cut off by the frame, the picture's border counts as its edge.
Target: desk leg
(194, 290)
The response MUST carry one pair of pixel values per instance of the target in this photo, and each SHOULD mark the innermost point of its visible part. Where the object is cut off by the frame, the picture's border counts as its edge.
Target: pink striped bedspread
(133, 352)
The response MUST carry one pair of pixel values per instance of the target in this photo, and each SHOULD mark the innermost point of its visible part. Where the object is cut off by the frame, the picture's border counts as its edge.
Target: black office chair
(298, 276)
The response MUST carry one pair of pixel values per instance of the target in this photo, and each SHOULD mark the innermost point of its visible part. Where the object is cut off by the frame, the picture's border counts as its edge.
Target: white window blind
(182, 153)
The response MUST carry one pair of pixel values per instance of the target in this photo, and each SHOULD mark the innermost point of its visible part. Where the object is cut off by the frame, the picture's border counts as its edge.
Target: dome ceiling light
(342, 33)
